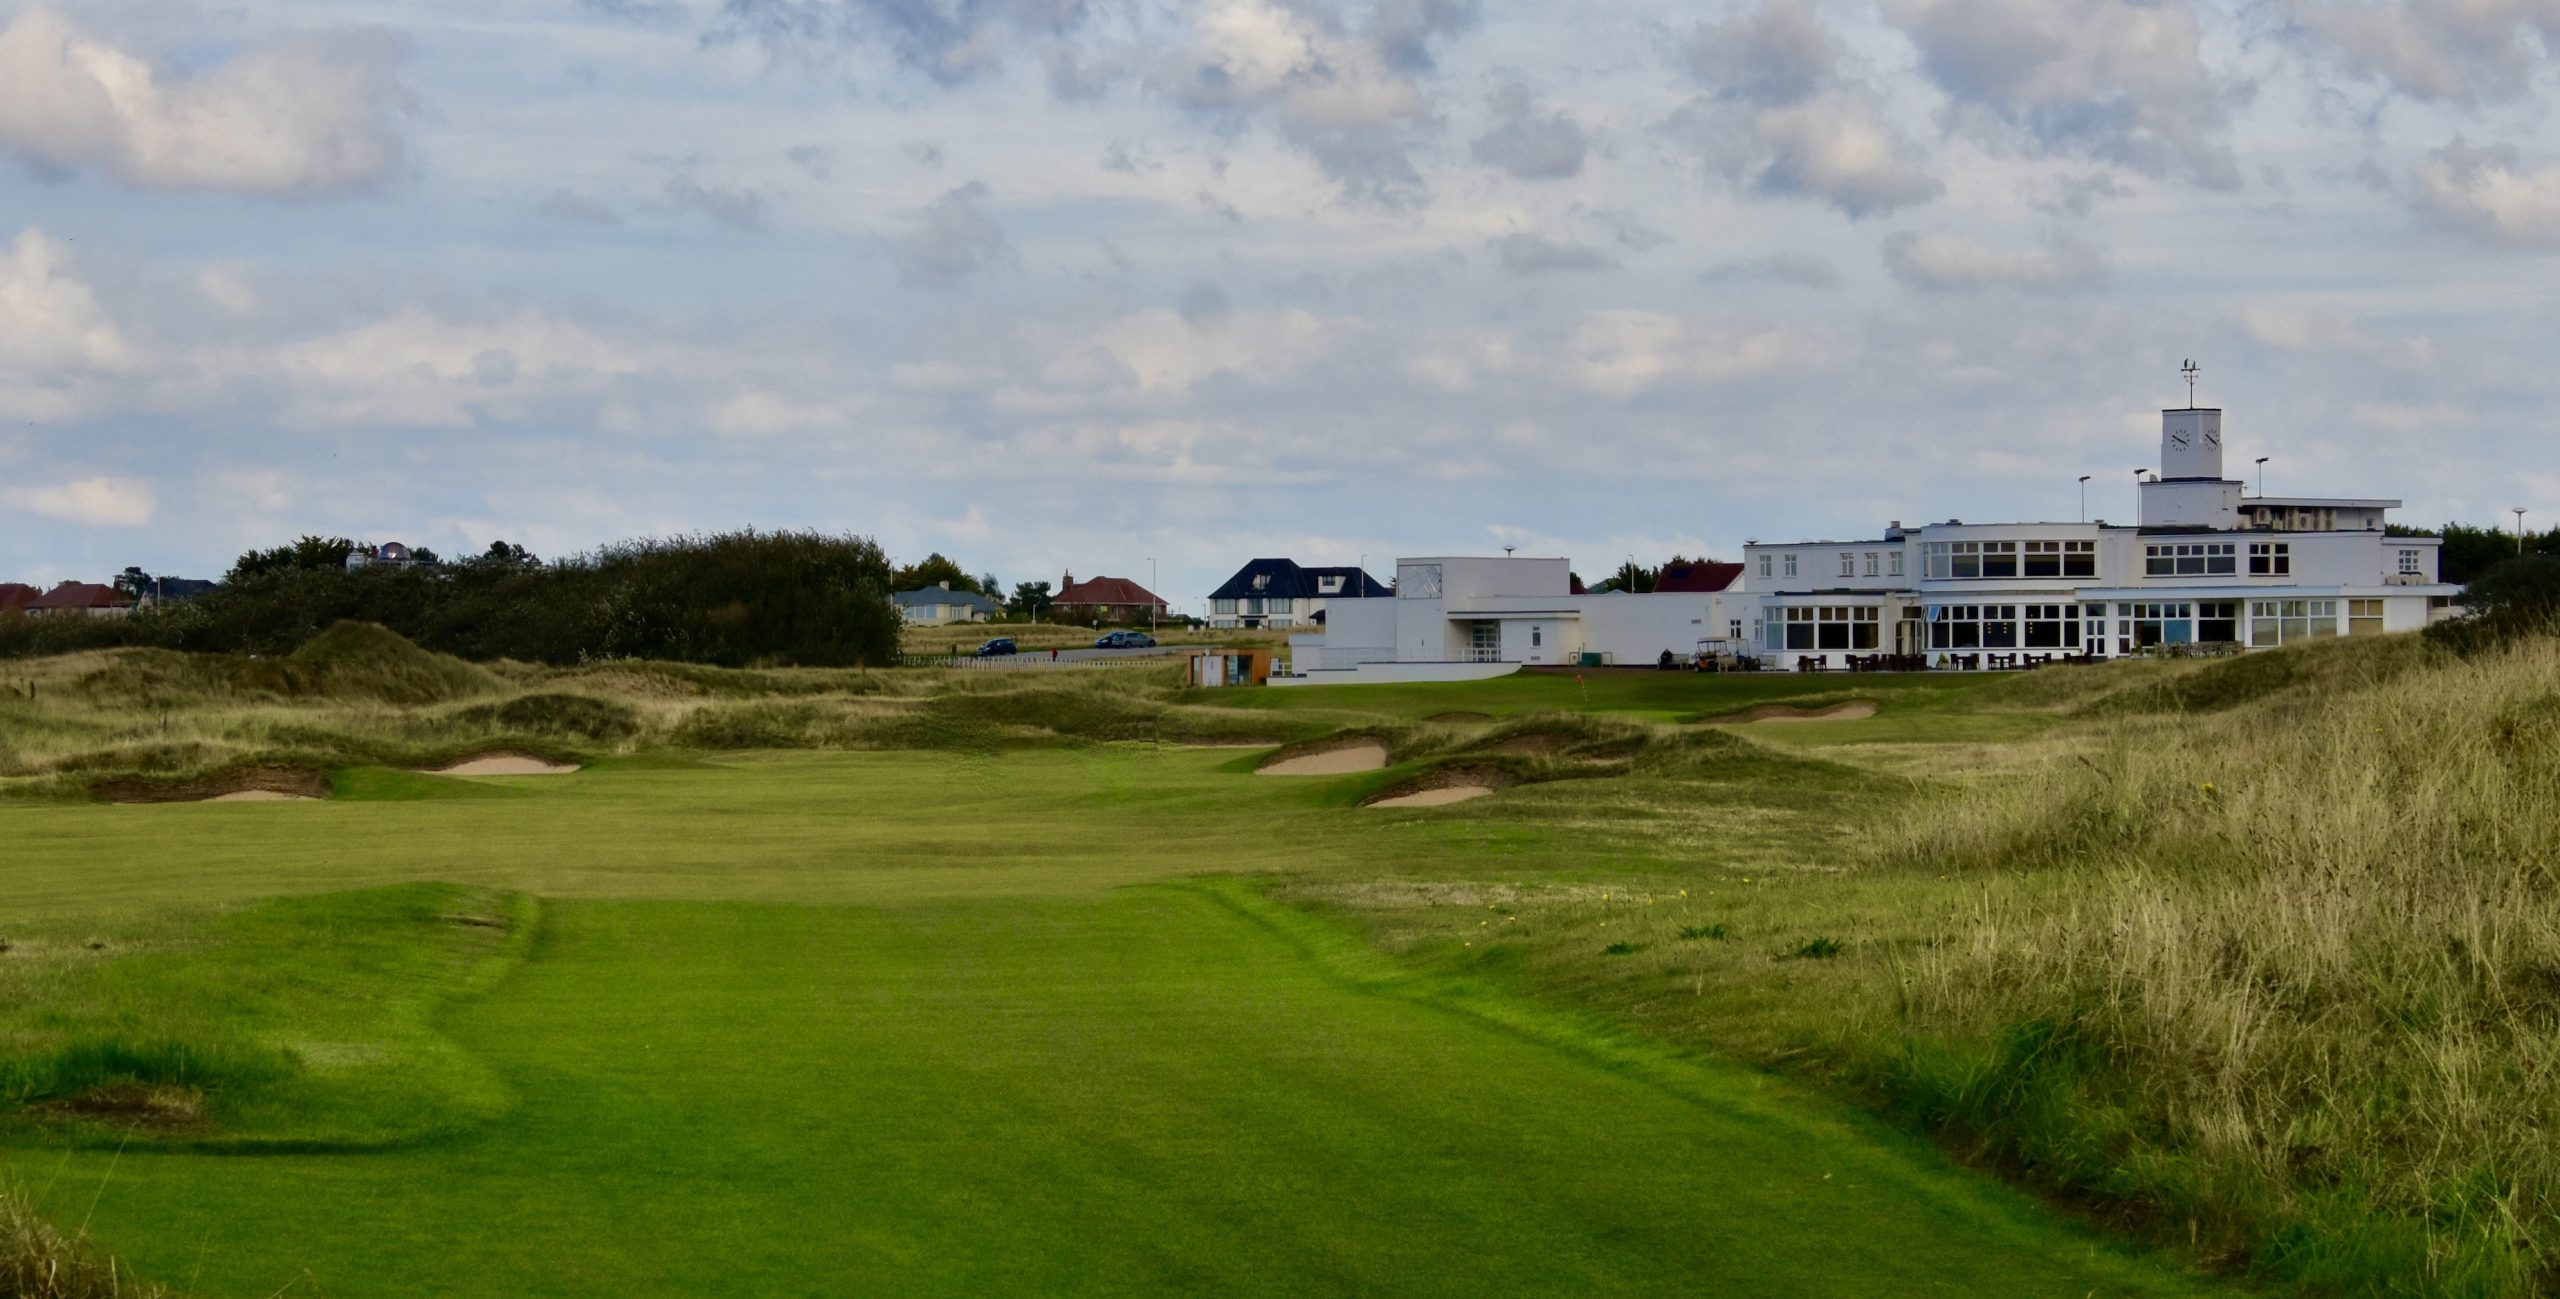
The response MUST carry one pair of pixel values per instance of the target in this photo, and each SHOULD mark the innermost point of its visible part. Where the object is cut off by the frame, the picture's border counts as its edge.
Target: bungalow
(1106, 599)
(16, 596)
(81, 600)
(1285, 593)
(936, 605)
(1465, 617)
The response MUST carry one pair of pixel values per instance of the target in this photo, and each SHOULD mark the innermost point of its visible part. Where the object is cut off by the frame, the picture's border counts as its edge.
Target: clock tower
(2191, 443)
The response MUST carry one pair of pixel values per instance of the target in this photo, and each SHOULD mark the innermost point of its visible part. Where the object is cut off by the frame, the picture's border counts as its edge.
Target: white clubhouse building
(2208, 566)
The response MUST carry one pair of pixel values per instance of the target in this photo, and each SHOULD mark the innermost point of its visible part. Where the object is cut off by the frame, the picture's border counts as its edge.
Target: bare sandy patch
(1366, 756)
(260, 796)
(1442, 796)
(247, 785)
(506, 764)
(1848, 712)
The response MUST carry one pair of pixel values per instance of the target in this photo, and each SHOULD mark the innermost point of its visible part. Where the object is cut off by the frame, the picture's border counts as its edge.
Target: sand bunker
(1848, 712)
(248, 785)
(506, 764)
(260, 796)
(1435, 797)
(1330, 762)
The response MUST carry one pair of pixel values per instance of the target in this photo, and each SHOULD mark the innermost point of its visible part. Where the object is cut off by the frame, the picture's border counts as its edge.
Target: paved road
(1067, 658)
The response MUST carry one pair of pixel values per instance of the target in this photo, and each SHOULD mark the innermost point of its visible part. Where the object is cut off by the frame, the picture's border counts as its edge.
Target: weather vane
(2189, 369)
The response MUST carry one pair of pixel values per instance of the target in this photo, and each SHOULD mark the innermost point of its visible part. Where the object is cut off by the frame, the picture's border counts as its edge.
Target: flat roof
(2372, 503)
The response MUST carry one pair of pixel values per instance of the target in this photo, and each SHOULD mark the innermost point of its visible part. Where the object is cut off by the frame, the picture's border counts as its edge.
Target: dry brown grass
(39, 1262)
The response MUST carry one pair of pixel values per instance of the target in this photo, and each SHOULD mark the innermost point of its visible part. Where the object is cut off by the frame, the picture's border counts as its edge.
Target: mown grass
(2250, 958)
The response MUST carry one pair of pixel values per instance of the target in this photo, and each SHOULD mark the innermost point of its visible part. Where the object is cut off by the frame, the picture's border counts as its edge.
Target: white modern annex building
(1454, 618)
(2208, 565)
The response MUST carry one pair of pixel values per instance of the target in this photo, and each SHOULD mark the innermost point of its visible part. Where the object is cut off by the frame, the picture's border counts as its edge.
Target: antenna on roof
(1506, 551)
(2189, 369)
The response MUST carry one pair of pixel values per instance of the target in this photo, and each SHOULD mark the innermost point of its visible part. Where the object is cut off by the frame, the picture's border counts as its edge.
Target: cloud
(1779, 53)
(2483, 191)
(1954, 263)
(311, 115)
(1528, 141)
(1804, 270)
(950, 41)
(954, 239)
(2455, 51)
(1162, 353)
(56, 344)
(1345, 97)
(97, 502)
(415, 369)
(1623, 353)
(2328, 330)
(577, 209)
(1779, 115)
(1522, 253)
(2120, 81)
(738, 209)
(1628, 230)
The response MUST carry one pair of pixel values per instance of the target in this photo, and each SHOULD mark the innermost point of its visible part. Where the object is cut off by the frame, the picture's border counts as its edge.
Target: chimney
(944, 584)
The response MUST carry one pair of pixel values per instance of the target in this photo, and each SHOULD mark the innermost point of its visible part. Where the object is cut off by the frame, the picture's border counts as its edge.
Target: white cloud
(1779, 114)
(1622, 353)
(1836, 148)
(758, 413)
(2460, 51)
(2121, 81)
(1948, 262)
(1523, 253)
(309, 115)
(415, 369)
(954, 238)
(1158, 353)
(2332, 331)
(97, 502)
(2486, 192)
(56, 343)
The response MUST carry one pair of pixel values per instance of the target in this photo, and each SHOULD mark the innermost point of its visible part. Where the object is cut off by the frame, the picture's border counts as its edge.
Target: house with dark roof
(933, 606)
(16, 596)
(1286, 593)
(1107, 599)
(81, 600)
(389, 554)
(1702, 577)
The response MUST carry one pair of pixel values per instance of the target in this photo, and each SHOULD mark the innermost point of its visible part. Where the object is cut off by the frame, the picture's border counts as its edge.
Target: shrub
(2515, 600)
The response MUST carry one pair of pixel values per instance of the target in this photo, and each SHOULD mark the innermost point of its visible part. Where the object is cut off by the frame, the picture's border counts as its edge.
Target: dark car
(1000, 646)
(1124, 640)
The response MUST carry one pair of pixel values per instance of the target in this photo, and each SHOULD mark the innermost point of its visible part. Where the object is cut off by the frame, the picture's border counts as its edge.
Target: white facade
(1454, 617)
(2207, 565)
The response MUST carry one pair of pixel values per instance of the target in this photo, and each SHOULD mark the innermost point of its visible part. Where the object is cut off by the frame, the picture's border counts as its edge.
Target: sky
(1150, 288)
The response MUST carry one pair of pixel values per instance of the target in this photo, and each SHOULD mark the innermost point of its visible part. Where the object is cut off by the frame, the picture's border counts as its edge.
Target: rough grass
(38, 1262)
(2302, 995)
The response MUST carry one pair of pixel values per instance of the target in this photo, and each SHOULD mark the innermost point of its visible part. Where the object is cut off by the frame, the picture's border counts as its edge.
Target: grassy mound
(38, 1262)
(363, 657)
(2316, 667)
(583, 718)
(2297, 978)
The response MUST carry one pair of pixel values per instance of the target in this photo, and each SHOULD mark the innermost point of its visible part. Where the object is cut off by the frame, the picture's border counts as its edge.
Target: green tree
(309, 552)
(932, 571)
(1030, 600)
(2514, 599)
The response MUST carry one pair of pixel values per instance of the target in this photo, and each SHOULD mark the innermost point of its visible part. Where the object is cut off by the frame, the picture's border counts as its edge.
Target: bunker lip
(1850, 710)
(247, 784)
(1338, 758)
(161, 1109)
(503, 762)
(1438, 788)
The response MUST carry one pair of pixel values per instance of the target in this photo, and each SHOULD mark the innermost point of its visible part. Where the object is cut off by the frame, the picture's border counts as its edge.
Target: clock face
(2177, 439)
(2212, 438)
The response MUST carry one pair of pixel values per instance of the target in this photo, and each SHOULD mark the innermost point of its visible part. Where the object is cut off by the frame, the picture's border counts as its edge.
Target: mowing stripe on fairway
(1166, 1089)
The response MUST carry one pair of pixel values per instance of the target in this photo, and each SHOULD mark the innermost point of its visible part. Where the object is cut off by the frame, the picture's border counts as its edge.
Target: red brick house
(1110, 599)
(1700, 578)
(16, 596)
(81, 600)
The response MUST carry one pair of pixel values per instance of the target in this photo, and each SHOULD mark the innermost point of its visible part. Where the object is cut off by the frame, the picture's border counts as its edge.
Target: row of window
(1967, 559)
(1826, 627)
(2138, 624)
(1250, 608)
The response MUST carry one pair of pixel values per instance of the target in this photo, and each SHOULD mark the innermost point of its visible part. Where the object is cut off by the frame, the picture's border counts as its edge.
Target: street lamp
(2262, 477)
(1154, 601)
(2084, 498)
(2519, 512)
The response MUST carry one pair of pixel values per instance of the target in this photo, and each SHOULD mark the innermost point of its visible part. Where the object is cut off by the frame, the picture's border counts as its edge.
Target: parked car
(1124, 640)
(997, 648)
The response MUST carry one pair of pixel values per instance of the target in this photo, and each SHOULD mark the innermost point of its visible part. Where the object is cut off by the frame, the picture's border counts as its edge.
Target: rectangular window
(1848, 563)
(1764, 566)
(1893, 560)
(1871, 563)
(2218, 622)
(2364, 617)
(2409, 564)
(2080, 559)
(2281, 622)
(1223, 606)
(2042, 559)
(1999, 559)
(1831, 627)
(2270, 558)
(2190, 559)
(1791, 566)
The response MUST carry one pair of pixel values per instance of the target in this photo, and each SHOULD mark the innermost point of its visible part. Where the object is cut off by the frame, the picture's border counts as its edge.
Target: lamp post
(1154, 601)
(2262, 477)
(2137, 495)
(2519, 512)
(2084, 498)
